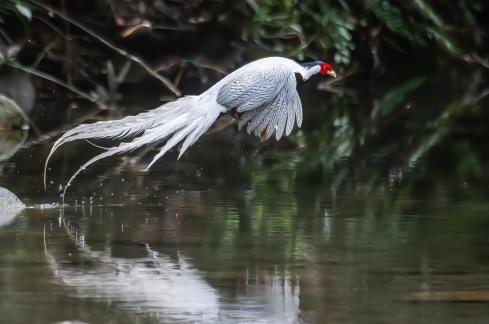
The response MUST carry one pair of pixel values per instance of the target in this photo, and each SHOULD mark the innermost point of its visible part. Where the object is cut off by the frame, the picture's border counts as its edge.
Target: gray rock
(11, 142)
(9, 200)
(11, 115)
(10, 206)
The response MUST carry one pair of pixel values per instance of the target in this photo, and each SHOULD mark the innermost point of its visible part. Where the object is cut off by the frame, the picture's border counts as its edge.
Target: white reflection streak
(7, 216)
(282, 299)
(275, 301)
(327, 224)
(173, 291)
(155, 285)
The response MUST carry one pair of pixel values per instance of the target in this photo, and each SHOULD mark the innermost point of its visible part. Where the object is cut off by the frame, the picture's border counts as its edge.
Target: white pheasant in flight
(263, 93)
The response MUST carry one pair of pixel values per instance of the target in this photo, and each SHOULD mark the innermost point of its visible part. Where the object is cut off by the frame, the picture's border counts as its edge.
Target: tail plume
(183, 120)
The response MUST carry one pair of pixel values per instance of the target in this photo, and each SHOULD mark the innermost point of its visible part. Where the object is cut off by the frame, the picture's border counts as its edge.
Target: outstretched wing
(266, 97)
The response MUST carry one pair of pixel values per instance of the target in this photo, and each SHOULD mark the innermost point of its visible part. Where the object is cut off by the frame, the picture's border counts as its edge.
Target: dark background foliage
(410, 70)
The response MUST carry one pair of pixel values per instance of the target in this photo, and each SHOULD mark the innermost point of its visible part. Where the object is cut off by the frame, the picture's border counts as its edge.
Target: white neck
(309, 72)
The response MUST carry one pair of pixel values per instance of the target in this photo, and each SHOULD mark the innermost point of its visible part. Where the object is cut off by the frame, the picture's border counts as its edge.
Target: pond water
(238, 231)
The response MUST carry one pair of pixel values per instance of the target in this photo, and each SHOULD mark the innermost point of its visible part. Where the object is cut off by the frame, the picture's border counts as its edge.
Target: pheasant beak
(332, 73)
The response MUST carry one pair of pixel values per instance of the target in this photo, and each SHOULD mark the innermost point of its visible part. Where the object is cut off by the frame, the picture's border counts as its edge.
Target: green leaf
(443, 40)
(24, 10)
(393, 99)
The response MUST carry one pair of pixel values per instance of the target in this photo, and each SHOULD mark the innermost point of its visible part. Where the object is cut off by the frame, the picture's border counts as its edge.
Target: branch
(168, 84)
(57, 81)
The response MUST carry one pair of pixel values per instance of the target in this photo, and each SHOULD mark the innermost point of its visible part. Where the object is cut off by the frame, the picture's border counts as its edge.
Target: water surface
(317, 229)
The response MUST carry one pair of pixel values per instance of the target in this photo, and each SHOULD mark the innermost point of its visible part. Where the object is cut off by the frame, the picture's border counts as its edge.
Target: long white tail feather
(174, 140)
(185, 119)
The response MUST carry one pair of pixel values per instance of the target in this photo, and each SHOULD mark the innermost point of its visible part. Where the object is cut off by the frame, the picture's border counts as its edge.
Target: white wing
(267, 98)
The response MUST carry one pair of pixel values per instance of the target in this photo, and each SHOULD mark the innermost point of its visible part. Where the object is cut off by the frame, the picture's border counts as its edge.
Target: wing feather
(264, 123)
(251, 89)
(247, 116)
(281, 123)
(266, 97)
(290, 122)
(298, 111)
(258, 123)
(275, 109)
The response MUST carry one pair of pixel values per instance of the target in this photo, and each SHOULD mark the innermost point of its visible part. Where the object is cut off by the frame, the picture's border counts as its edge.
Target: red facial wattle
(326, 69)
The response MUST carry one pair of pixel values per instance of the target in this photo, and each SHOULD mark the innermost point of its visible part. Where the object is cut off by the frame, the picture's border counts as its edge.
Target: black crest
(311, 64)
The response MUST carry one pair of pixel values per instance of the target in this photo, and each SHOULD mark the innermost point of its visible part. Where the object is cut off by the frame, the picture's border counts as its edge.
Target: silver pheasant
(262, 92)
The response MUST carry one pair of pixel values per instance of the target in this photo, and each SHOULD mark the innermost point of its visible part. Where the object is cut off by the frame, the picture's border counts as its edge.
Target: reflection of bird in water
(154, 285)
(164, 289)
(262, 92)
